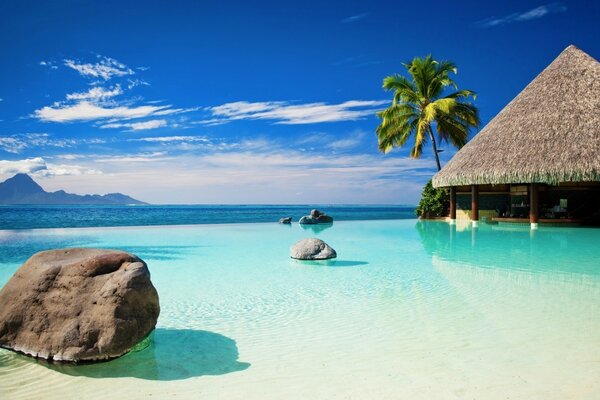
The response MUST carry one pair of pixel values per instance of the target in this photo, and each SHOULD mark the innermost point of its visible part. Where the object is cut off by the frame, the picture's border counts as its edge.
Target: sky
(223, 102)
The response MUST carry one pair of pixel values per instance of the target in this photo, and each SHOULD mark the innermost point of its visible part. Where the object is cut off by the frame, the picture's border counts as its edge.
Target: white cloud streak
(169, 139)
(105, 68)
(354, 18)
(88, 111)
(261, 171)
(535, 13)
(294, 114)
(336, 143)
(138, 126)
(18, 143)
(96, 93)
(37, 166)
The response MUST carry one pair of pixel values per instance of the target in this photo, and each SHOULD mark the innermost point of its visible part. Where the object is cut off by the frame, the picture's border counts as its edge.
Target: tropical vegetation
(420, 104)
(434, 202)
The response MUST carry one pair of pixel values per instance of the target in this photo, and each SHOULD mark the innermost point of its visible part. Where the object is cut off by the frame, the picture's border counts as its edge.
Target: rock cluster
(316, 217)
(78, 305)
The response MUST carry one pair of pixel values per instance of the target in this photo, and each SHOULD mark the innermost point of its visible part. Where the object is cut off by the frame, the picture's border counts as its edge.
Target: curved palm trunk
(435, 151)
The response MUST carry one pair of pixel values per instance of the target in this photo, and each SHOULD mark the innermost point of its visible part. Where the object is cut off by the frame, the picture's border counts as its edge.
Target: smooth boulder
(312, 249)
(78, 305)
(287, 220)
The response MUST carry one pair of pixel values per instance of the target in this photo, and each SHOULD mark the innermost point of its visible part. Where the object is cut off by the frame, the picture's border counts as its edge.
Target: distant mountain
(21, 189)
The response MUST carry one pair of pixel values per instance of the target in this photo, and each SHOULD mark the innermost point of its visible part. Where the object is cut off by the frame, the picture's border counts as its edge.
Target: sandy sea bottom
(409, 310)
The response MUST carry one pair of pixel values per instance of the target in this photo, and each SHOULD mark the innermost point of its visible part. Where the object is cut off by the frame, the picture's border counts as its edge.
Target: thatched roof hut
(549, 133)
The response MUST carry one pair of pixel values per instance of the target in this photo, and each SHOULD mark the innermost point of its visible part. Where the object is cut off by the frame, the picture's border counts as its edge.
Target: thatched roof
(549, 133)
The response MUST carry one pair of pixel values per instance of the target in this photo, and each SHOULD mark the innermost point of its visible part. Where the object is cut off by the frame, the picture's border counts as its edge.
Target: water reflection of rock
(169, 354)
(316, 228)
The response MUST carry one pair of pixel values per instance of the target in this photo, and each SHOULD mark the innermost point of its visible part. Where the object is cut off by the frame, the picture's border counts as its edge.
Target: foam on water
(410, 309)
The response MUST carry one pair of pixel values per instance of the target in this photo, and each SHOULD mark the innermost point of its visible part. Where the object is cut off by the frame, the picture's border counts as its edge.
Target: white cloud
(88, 111)
(260, 170)
(12, 144)
(100, 103)
(535, 13)
(344, 144)
(26, 166)
(49, 64)
(96, 93)
(64, 169)
(142, 157)
(168, 139)
(138, 126)
(37, 166)
(105, 68)
(264, 177)
(17, 143)
(336, 143)
(354, 18)
(291, 114)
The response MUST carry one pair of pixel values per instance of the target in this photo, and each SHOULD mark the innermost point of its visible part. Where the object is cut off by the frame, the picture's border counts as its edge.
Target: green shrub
(434, 202)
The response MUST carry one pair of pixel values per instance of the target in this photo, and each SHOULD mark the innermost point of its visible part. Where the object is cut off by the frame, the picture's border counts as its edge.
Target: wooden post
(452, 204)
(533, 205)
(474, 204)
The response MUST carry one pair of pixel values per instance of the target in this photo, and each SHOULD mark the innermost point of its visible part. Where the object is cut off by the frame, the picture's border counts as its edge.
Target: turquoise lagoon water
(409, 310)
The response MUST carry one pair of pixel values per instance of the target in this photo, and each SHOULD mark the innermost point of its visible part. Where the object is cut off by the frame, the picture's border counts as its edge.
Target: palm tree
(418, 104)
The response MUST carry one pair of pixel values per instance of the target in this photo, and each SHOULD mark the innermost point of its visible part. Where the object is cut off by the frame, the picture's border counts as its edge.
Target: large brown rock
(78, 305)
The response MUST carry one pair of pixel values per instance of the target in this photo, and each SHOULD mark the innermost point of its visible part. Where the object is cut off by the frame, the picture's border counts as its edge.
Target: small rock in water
(312, 249)
(287, 220)
(78, 305)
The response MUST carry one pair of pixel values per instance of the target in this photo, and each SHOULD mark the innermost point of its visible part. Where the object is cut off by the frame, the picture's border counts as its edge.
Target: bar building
(538, 160)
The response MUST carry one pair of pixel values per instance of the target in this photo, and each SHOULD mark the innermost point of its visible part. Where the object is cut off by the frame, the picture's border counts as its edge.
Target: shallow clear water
(412, 310)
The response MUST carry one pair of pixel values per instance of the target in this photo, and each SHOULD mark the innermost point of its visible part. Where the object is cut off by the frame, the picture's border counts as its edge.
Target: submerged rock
(78, 305)
(287, 220)
(312, 249)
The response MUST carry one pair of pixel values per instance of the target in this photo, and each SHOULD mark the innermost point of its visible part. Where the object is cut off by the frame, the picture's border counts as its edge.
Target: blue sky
(249, 102)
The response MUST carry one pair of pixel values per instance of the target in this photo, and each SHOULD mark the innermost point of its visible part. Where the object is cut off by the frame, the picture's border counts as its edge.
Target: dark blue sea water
(29, 217)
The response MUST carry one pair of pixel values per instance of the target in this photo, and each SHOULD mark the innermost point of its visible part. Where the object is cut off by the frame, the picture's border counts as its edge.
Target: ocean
(30, 217)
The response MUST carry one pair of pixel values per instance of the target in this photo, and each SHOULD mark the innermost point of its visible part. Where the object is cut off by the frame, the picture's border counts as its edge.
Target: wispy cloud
(140, 158)
(105, 68)
(19, 142)
(49, 64)
(88, 111)
(96, 93)
(294, 114)
(534, 13)
(169, 139)
(106, 103)
(321, 140)
(138, 126)
(37, 166)
(354, 18)
(263, 170)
